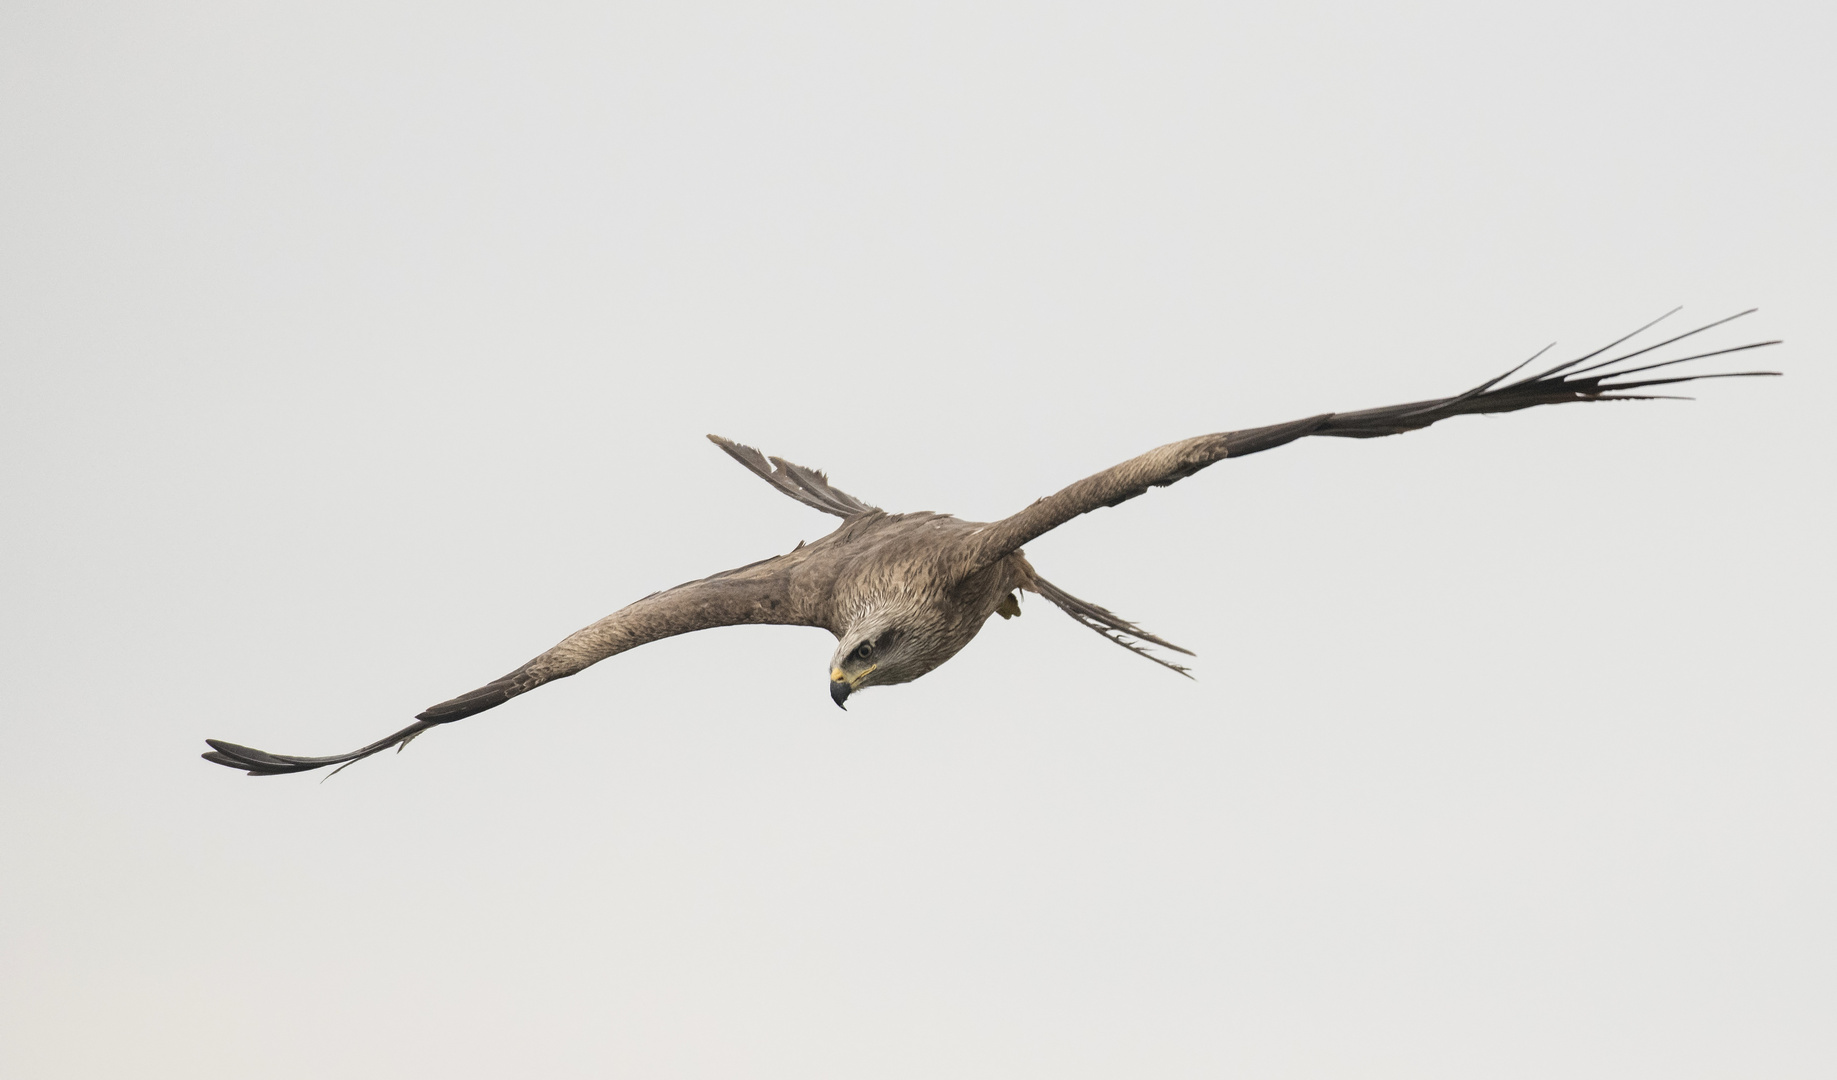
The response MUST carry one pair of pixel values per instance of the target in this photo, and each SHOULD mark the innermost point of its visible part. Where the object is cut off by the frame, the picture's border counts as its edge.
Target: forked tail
(1109, 624)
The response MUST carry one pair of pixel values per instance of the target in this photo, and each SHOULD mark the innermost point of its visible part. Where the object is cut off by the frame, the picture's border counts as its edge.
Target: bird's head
(877, 654)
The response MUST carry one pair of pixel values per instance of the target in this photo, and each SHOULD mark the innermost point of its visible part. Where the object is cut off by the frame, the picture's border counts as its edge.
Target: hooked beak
(840, 685)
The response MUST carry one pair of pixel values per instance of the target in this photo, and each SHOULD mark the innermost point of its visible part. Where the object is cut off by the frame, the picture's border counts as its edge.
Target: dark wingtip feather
(253, 762)
(262, 763)
(1483, 387)
(1563, 383)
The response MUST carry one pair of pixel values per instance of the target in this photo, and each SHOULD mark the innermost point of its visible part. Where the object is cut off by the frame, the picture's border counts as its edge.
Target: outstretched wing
(807, 486)
(756, 593)
(1176, 461)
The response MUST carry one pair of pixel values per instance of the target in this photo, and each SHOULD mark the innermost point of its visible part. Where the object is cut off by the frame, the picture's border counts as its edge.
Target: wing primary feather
(1679, 379)
(1686, 359)
(1662, 344)
(1590, 356)
(261, 763)
(1487, 385)
(1591, 383)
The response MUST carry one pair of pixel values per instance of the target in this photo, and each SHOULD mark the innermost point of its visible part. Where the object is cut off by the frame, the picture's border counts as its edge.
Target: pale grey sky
(353, 354)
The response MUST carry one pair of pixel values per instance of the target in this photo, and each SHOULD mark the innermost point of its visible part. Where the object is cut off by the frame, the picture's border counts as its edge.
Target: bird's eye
(866, 650)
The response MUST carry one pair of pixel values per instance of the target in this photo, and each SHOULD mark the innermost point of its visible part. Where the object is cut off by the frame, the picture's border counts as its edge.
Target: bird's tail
(1109, 624)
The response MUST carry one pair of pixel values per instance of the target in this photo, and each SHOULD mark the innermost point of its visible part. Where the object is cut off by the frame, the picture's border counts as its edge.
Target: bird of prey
(902, 593)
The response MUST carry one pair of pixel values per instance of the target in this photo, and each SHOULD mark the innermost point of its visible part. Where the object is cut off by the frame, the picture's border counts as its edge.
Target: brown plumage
(903, 593)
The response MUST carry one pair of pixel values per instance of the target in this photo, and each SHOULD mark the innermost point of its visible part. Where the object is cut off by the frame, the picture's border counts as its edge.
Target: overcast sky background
(354, 353)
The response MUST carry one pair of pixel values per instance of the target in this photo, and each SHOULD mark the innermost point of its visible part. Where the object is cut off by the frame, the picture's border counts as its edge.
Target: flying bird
(902, 593)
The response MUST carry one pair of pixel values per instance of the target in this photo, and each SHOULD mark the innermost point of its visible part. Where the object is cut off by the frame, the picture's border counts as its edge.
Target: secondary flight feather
(902, 593)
